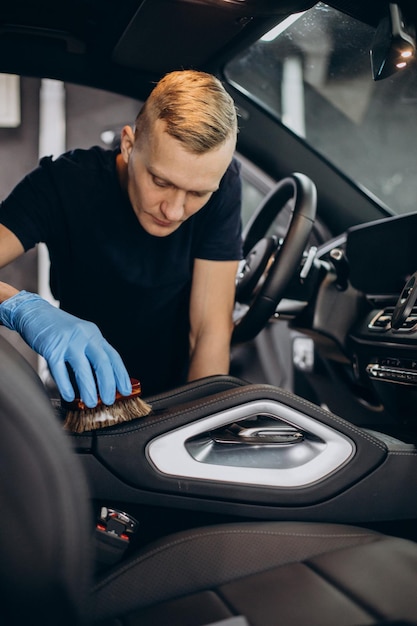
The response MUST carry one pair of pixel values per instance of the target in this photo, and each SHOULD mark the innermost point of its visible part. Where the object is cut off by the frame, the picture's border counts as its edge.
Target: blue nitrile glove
(60, 337)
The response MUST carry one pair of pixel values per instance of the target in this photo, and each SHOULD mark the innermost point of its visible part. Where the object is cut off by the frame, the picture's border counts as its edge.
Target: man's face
(167, 184)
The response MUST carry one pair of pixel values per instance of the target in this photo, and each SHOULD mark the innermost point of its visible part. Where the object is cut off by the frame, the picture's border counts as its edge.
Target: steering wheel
(405, 303)
(269, 263)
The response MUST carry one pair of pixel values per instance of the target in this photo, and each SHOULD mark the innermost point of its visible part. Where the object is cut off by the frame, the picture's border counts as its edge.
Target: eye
(159, 182)
(199, 194)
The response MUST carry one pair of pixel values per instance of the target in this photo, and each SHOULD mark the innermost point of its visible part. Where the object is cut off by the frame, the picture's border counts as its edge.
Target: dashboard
(363, 319)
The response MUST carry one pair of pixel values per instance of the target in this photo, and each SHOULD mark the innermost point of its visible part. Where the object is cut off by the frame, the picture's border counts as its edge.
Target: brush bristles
(123, 410)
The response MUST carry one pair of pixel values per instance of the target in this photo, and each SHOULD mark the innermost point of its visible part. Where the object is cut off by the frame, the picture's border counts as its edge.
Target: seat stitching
(213, 533)
(177, 394)
(403, 452)
(239, 392)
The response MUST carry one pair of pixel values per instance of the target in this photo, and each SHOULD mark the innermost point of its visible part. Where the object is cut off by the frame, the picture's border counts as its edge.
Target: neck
(121, 170)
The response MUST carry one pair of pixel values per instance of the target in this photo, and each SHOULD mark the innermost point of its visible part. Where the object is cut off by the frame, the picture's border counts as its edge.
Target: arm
(10, 249)
(61, 338)
(211, 310)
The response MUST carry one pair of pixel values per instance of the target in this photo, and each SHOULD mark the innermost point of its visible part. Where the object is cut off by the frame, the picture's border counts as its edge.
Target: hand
(63, 338)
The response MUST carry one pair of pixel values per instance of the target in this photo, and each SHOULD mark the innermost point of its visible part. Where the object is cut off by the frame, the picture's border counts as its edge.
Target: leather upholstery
(270, 572)
(45, 533)
(194, 390)
(297, 574)
(123, 448)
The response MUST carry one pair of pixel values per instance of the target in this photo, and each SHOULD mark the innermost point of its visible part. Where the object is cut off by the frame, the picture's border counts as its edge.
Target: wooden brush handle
(78, 404)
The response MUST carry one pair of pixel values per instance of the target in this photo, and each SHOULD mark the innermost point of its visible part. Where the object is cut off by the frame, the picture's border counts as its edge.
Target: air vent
(382, 321)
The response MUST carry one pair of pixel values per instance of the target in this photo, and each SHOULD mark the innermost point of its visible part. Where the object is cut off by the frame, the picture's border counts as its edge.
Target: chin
(159, 231)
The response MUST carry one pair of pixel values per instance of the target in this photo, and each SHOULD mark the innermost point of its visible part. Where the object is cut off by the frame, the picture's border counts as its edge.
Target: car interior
(286, 491)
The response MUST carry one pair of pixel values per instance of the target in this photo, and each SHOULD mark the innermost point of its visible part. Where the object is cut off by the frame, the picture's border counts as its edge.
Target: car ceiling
(126, 46)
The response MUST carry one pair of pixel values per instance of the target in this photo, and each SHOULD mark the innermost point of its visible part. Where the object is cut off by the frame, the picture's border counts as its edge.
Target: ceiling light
(394, 44)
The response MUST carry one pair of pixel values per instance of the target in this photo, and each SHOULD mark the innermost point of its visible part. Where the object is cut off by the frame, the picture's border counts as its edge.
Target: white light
(401, 65)
(108, 136)
(406, 54)
(281, 27)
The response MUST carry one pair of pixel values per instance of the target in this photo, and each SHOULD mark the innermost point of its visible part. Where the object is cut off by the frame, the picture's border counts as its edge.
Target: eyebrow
(202, 192)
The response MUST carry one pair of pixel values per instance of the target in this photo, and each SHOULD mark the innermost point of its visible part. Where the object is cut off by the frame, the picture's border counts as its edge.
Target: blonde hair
(196, 108)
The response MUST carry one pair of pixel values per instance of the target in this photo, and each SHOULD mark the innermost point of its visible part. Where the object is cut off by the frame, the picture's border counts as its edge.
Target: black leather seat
(268, 572)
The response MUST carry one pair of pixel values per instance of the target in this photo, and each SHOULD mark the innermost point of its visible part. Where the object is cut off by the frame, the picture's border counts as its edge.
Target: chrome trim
(311, 255)
(376, 317)
(276, 434)
(170, 453)
(395, 375)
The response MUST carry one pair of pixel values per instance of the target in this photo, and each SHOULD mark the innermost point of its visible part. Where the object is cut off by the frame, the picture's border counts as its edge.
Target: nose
(173, 206)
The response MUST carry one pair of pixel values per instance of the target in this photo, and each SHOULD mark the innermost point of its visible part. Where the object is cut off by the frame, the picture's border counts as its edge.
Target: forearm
(7, 291)
(210, 355)
(211, 317)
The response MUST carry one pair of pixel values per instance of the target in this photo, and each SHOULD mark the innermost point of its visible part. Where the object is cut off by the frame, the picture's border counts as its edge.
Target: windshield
(313, 72)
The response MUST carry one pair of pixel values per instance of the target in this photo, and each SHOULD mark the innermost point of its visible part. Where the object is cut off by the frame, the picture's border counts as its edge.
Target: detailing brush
(80, 418)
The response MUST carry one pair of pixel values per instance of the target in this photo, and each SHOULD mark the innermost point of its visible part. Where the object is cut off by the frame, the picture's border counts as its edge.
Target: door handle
(267, 435)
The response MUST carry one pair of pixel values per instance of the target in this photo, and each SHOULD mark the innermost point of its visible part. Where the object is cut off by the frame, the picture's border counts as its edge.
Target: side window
(255, 186)
(251, 198)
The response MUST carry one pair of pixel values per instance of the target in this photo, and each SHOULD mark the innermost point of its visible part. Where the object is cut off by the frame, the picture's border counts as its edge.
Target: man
(144, 246)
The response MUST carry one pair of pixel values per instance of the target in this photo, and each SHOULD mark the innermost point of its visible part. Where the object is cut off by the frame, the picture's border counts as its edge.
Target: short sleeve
(219, 231)
(27, 210)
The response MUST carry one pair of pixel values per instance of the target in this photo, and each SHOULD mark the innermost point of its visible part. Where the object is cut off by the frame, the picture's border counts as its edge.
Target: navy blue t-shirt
(107, 269)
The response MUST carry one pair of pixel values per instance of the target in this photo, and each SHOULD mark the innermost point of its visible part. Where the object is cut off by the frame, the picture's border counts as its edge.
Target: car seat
(257, 573)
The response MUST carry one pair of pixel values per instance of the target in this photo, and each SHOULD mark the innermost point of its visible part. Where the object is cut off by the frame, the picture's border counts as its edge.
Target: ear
(127, 140)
